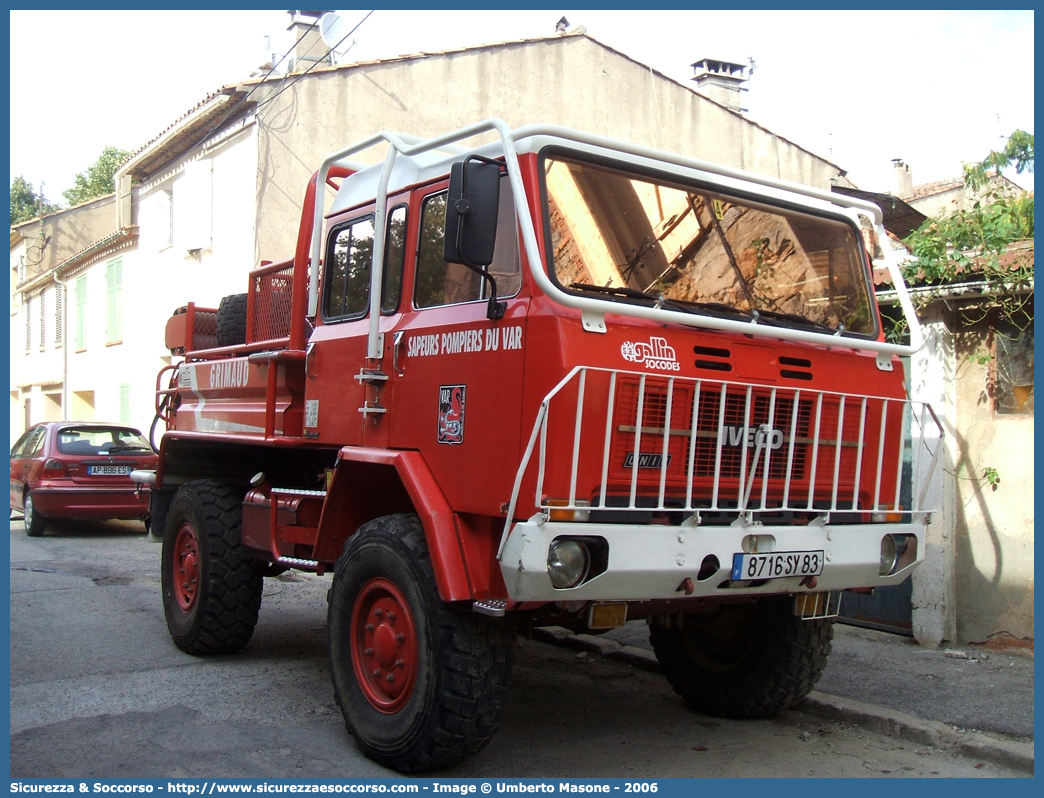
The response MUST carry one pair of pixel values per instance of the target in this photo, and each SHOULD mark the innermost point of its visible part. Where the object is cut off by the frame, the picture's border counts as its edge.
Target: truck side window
(394, 257)
(347, 291)
(442, 283)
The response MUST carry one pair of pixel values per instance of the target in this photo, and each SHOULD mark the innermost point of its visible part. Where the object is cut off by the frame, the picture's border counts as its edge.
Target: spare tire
(232, 320)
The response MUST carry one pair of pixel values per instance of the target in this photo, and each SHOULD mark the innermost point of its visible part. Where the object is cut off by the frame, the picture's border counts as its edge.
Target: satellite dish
(332, 28)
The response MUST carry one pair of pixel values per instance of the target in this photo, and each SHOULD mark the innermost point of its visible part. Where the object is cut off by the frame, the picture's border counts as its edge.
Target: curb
(1010, 753)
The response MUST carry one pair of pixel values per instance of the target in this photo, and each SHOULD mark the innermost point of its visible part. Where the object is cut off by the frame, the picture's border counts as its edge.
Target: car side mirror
(471, 212)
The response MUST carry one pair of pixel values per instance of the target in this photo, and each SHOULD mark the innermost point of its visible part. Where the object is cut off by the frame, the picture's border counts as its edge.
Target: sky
(860, 88)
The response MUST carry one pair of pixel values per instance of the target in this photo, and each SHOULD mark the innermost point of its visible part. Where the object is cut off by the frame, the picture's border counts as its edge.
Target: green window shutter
(81, 313)
(125, 403)
(114, 290)
(59, 309)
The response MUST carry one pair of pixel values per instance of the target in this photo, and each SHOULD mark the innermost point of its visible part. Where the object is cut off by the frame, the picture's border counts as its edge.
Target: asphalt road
(99, 690)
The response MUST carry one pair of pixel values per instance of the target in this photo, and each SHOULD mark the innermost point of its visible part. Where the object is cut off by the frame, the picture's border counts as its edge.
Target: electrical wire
(257, 86)
(264, 103)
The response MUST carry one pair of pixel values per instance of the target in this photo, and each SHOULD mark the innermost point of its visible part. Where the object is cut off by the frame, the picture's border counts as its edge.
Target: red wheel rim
(186, 567)
(384, 645)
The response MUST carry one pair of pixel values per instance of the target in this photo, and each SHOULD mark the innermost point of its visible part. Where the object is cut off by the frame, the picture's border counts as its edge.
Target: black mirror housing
(471, 212)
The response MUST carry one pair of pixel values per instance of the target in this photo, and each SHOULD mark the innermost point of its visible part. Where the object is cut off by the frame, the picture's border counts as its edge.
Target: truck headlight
(568, 562)
(889, 555)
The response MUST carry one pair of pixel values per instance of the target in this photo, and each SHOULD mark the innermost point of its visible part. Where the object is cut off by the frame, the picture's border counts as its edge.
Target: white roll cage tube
(411, 145)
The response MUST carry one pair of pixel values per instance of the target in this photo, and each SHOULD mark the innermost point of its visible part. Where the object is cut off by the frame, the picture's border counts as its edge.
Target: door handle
(308, 359)
(396, 342)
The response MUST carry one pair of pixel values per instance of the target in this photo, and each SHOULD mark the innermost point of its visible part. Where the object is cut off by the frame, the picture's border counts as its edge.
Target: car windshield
(101, 440)
(633, 238)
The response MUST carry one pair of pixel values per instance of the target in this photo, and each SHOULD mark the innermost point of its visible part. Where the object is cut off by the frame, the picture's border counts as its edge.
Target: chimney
(903, 179)
(309, 46)
(721, 81)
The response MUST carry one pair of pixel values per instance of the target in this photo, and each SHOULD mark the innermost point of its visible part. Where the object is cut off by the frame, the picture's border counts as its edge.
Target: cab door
(456, 385)
(345, 395)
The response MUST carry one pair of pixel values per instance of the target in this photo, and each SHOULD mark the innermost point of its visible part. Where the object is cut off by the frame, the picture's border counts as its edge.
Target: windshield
(101, 440)
(633, 238)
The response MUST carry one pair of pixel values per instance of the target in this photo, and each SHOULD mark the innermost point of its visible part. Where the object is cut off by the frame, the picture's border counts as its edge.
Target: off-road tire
(34, 522)
(213, 608)
(459, 662)
(746, 661)
(232, 320)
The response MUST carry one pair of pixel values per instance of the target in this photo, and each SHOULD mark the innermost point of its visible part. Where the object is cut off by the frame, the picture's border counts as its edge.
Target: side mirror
(471, 212)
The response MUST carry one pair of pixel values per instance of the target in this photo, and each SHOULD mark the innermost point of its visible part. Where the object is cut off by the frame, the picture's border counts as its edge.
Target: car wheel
(211, 587)
(745, 660)
(420, 684)
(34, 522)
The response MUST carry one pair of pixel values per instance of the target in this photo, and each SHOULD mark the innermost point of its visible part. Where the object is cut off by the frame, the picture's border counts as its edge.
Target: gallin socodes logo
(657, 354)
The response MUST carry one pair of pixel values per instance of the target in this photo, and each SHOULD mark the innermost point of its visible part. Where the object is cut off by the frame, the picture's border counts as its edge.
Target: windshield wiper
(798, 319)
(615, 290)
(128, 449)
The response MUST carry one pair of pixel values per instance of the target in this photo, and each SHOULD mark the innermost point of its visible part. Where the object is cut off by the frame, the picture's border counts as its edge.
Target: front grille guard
(784, 489)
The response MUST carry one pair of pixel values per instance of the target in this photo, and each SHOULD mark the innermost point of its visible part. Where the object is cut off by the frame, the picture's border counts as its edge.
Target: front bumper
(653, 562)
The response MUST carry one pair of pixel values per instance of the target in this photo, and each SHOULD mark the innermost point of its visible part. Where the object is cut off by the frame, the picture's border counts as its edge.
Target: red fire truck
(550, 379)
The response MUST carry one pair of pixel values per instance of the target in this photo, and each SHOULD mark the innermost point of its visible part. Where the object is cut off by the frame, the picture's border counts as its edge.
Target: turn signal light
(54, 469)
(891, 515)
(559, 510)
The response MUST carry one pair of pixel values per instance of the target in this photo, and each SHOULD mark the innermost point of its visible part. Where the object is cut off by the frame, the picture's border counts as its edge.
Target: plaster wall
(56, 237)
(993, 525)
(572, 81)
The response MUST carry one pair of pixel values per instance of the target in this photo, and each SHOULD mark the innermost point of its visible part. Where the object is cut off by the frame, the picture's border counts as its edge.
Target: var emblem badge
(451, 413)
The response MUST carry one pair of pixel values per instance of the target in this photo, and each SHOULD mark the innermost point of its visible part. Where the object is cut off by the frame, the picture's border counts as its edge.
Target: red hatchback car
(80, 470)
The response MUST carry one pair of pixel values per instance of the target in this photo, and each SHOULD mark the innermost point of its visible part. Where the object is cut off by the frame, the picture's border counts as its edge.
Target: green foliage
(26, 203)
(975, 243)
(970, 240)
(97, 181)
(991, 477)
(1017, 152)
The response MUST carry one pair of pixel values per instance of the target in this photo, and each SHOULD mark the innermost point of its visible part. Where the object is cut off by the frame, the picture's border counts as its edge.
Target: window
(165, 218)
(28, 323)
(43, 319)
(347, 290)
(114, 297)
(442, 283)
(394, 257)
(1013, 368)
(59, 309)
(80, 331)
(30, 444)
(124, 403)
(630, 238)
(193, 193)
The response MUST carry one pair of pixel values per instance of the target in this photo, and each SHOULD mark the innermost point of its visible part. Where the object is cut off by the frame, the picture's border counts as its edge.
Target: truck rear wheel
(420, 684)
(211, 588)
(746, 660)
(231, 320)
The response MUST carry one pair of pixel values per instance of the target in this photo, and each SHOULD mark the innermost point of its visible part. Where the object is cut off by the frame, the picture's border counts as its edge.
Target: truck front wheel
(211, 588)
(745, 660)
(420, 684)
